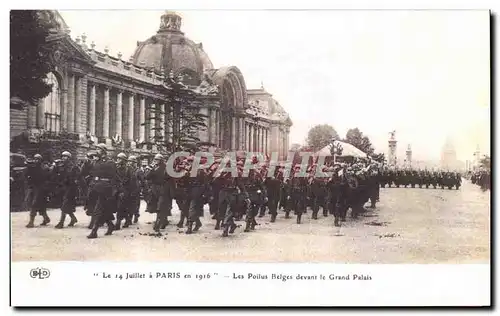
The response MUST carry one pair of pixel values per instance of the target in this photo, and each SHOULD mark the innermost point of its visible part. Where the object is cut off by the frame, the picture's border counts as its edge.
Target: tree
(356, 138)
(179, 132)
(380, 157)
(30, 60)
(485, 162)
(321, 135)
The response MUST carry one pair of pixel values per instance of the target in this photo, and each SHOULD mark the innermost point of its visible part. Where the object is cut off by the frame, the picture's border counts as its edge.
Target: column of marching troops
(115, 187)
(113, 190)
(420, 178)
(482, 178)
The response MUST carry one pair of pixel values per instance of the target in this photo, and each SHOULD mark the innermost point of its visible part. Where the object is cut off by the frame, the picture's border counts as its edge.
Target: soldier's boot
(110, 228)
(92, 222)
(232, 228)
(273, 217)
(95, 227)
(156, 225)
(299, 216)
(73, 220)
(262, 211)
(164, 223)
(217, 225)
(315, 215)
(225, 233)
(189, 227)
(247, 225)
(180, 224)
(128, 221)
(136, 218)
(197, 225)
(61, 221)
(325, 212)
(46, 219)
(253, 224)
(31, 222)
(118, 223)
(373, 204)
(287, 214)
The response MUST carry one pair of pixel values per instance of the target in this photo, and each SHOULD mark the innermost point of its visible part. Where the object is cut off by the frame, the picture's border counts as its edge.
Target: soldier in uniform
(297, 193)
(231, 189)
(273, 185)
(319, 191)
(158, 201)
(104, 186)
(257, 196)
(335, 198)
(182, 190)
(124, 176)
(199, 185)
(133, 201)
(69, 174)
(36, 195)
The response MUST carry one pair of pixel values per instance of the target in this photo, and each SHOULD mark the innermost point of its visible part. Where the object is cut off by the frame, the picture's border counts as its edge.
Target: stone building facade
(101, 97)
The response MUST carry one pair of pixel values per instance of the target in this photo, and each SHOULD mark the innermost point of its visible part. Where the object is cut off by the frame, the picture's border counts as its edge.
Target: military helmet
(132, 158)
(158, 157)
(38, 156)
(122, 156)
(102, 146)
(66, 154)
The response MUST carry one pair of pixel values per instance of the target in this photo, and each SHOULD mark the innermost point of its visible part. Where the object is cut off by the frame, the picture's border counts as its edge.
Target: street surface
(408, 226)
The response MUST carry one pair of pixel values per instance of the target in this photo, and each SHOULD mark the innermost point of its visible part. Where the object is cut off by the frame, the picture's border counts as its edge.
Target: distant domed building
(449, 159)
(103, 98)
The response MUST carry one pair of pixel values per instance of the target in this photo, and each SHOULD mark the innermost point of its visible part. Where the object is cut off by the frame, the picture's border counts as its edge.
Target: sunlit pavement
(408, 226)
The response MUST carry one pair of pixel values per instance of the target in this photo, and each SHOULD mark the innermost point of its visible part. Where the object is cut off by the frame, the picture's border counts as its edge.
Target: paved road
(408, 226)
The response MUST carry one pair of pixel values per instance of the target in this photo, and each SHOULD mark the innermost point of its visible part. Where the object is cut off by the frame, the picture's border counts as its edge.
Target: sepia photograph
(250, 136)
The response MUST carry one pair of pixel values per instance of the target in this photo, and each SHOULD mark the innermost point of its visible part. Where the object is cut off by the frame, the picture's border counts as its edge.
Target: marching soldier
(182, 191)
(297, 193)
(36, 195)
(122, 191)
(257, 196)
(198, 186)
(69, 174)
(231, 188)
(273, 186)
(104, 182)
(134, 198)
(336, 194)
(161, 193)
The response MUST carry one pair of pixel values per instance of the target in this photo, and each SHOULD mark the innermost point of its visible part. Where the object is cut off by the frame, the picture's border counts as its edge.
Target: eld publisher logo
(39, 273)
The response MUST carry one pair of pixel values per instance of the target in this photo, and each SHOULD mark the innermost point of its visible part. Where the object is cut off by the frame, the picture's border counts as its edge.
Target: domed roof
(169, 50)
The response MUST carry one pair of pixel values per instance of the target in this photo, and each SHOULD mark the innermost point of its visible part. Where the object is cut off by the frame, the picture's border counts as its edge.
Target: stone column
(32, 116)
(259, 139)
(142, 118)
(215, 138)
(71, 103)
(92, 109)
(40, 114)
(119, 113)
(105, 117)
(64, 109)
(241, 133)
(233, 132)
(250, 137)
(130, 117)
(151, 122)
(78, 101)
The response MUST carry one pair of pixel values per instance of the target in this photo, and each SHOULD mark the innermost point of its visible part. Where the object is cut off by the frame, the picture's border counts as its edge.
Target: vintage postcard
(276, 157)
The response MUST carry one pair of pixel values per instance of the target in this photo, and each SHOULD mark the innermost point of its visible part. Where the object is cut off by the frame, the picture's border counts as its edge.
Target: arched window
(52, 105)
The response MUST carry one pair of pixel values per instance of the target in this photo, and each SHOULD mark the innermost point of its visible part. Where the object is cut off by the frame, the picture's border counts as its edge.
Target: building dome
(170, 51)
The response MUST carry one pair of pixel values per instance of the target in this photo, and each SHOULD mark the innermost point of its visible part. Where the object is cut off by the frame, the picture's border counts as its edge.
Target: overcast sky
(424, 74)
